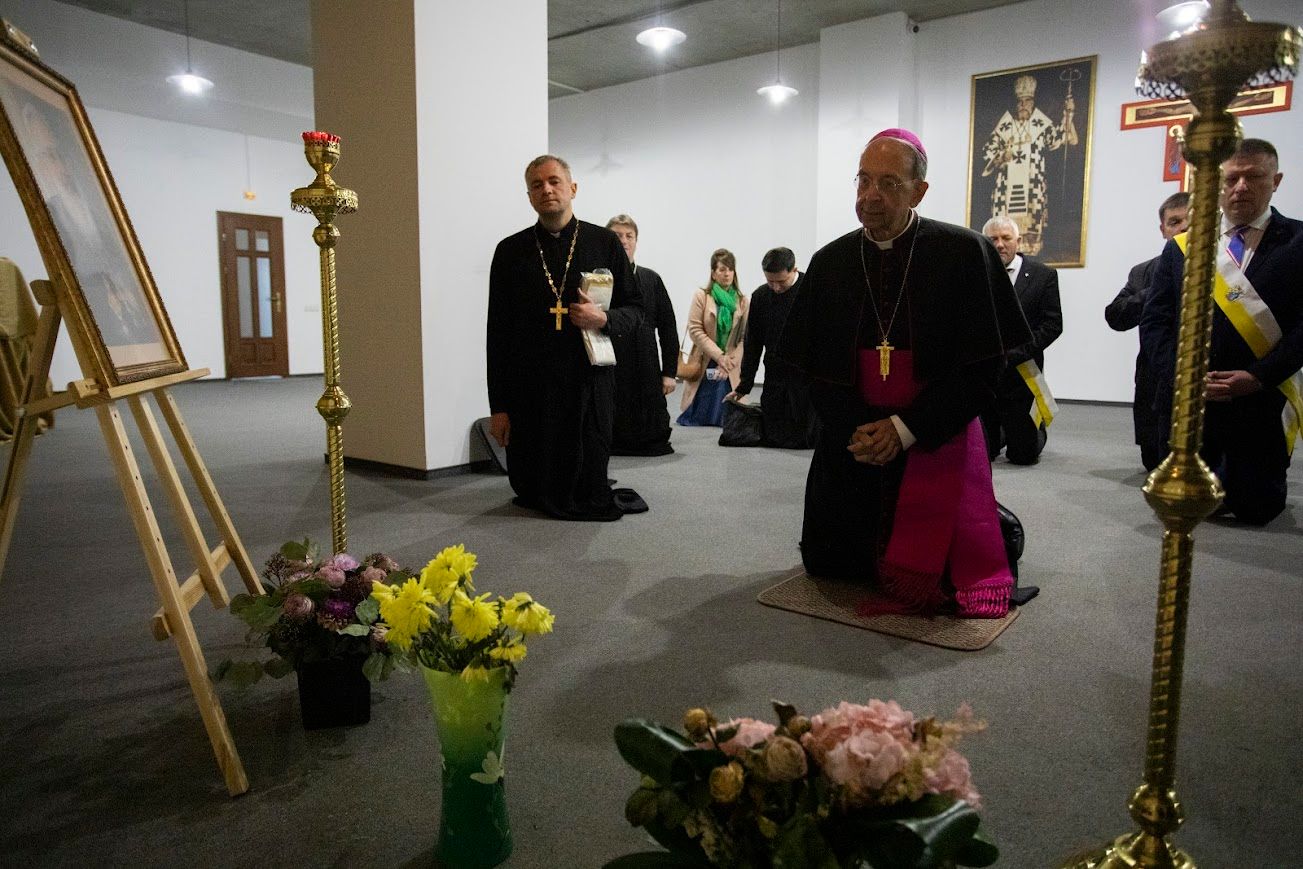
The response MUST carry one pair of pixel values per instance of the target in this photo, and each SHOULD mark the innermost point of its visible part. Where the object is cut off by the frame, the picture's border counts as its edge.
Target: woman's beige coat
(703, 317)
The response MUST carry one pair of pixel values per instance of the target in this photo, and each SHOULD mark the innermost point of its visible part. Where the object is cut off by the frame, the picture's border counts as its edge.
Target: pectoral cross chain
(558, 309)
(884, 358)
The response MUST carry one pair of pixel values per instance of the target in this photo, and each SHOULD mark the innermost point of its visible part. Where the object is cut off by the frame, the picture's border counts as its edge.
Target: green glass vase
(474, 832)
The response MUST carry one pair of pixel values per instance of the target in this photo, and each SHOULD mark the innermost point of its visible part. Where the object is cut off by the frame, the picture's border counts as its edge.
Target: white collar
(886, 245)
(1014, 268)
(1259, 222)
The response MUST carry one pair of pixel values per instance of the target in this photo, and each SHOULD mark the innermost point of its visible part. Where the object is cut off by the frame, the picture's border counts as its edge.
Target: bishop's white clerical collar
(1259, 222)
(886, 245)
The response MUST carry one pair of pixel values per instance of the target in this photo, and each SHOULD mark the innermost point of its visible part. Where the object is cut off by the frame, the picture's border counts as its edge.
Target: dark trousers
(1008, 425)
(1244, 444)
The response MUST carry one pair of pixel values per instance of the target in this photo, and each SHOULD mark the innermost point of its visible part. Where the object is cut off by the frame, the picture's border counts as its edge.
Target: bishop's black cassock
(560, 405)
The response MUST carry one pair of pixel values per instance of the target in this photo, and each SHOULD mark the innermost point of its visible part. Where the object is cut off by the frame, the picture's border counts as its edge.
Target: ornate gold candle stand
(325, 199)
(1207, 65)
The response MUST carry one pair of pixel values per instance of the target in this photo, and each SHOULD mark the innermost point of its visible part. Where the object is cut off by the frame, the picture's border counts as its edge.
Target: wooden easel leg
(38, 372)
(194, 537)
(225, 527)
(177, 613)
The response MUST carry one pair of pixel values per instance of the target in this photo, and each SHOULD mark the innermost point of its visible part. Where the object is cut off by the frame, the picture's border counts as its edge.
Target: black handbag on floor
(744, 426)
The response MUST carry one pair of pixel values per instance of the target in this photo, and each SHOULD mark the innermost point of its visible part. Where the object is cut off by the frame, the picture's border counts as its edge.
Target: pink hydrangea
(951, 775)
(333, 576)
(344, 562)
(863, 763)
(750, 733)
(833, 726)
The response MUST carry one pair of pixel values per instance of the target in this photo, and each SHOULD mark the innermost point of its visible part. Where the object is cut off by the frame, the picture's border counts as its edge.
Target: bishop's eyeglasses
(887, 185)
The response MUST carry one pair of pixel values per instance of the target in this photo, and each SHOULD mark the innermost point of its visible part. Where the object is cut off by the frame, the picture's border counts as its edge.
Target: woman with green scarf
(716, 325)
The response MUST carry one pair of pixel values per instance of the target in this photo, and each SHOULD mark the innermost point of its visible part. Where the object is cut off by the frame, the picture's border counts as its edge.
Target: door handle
(276, 301)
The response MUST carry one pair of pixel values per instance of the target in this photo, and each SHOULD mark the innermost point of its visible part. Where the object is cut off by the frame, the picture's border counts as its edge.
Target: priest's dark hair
(779, 259)
(1257, 148)
(623, 220)
(547, 158)
(725, 256)
(1176, 200)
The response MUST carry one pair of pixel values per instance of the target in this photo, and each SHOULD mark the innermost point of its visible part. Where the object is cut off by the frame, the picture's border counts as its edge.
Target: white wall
(177, 162)
(701, 161)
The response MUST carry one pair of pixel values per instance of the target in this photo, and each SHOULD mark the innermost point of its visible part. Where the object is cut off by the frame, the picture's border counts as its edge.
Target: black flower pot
(334, 693)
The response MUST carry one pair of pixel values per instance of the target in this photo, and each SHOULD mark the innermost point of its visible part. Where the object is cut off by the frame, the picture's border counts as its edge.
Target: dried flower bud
(784, 760)
(640, 809)
(797, 726)
(297, 606)
(378, 634)
(381, 561)
(726, 782)
(373, 574)
(697, 723)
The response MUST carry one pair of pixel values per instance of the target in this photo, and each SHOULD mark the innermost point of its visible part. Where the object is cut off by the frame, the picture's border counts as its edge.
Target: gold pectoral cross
(559, 310)
(884, 358)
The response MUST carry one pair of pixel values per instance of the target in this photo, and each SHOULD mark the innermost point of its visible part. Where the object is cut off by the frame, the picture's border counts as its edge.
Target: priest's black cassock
(957, 314)
(642, 421)
(559, 405)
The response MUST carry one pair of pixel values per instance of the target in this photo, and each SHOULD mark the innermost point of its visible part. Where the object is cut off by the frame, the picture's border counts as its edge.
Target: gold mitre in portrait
(1024, 86)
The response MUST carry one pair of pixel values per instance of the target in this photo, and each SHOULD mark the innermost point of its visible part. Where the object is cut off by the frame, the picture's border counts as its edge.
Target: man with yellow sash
(1019, 420)
(1253, 386)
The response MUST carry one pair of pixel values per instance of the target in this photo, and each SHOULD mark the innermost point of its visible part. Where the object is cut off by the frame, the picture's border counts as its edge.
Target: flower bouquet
(468, 648)
(852, 787)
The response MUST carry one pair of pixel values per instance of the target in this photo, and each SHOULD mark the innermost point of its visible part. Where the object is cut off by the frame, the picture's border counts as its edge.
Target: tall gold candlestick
(325, 199)
(1207, 65)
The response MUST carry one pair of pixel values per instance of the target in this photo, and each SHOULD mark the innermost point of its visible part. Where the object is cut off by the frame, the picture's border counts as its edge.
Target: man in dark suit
(1009, 424)
(1256, 350)
(1123, 313)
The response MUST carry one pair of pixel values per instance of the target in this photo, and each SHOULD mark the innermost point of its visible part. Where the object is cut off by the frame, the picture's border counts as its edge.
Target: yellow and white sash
(1255, 323)
(1044, 407)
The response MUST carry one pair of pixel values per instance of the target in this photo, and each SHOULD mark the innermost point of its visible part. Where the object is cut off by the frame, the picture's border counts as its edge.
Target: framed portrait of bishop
(1029, 155)
(107, 295)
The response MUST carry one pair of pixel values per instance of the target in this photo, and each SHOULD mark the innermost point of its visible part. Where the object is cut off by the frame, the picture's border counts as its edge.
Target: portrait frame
(106, 293)
(1052, 211)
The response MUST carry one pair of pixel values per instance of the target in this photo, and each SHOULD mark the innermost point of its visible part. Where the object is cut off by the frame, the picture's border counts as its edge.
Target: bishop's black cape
(560, 406)
(642, 421)
(958, 315)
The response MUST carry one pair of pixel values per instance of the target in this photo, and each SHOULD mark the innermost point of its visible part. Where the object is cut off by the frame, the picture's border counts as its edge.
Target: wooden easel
(173, 617)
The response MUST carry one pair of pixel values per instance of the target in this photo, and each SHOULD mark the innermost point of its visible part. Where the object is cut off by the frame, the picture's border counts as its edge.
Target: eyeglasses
(887, 185)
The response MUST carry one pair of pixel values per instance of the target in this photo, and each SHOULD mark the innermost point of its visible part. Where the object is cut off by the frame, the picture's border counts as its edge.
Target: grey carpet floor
(103, 758)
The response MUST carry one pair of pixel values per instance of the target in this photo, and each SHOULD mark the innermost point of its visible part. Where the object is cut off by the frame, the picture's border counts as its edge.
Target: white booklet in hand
(599, 286)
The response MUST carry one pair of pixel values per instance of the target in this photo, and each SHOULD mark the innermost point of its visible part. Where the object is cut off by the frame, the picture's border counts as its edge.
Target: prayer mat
(838, 601)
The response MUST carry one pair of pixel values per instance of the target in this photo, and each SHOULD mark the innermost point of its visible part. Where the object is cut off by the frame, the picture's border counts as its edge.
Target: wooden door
(253, 294)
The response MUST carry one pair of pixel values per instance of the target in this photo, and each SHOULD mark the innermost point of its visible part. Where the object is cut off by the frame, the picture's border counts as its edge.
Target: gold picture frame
(1030, 168)
(107, 295)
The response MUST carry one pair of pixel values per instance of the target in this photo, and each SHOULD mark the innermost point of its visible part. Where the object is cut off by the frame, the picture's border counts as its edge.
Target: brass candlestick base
(1208, 66)
(325, 199)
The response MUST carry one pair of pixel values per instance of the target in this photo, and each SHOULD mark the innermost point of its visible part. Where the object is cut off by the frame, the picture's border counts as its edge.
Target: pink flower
(951, 775)
(344, 562)
(297, 606)
(863, 763)
(750, 733)
(373, 574)
(333, 576)
(833, 726)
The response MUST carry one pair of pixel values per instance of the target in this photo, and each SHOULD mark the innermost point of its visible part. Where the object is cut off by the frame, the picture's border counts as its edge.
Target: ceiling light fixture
(1180, 17)
(188, 81)
(661, 39)
(778, 92)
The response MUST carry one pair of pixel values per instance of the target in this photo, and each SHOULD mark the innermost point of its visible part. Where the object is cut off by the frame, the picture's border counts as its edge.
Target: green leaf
(671, 808)
(703, 760)
(241, 674)
(355, 631)
(295, 551)
(724, 734)
(923, 840)
(368, 611)
(978, 851)
(785, 711)
(256, 611)
(374, 667)
(800, 845)
(278, 667)
(654, 750)
(640, 808)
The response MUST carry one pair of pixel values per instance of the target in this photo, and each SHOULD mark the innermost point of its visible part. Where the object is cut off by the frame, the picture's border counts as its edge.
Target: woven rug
(838, 601)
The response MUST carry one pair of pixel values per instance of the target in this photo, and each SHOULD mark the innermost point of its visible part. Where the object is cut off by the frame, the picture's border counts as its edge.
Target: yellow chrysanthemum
(382, 591)
(406, 611)
(512, 650)
(474, 618)
(475, 673)
(527, 615)
(448, 571)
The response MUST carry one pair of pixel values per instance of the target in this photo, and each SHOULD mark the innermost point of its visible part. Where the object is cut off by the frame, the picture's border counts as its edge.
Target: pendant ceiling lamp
(660, 39)
(778, 92)
(188, 81)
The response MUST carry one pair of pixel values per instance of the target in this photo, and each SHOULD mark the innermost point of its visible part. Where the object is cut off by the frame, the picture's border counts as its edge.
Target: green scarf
(726, 302)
